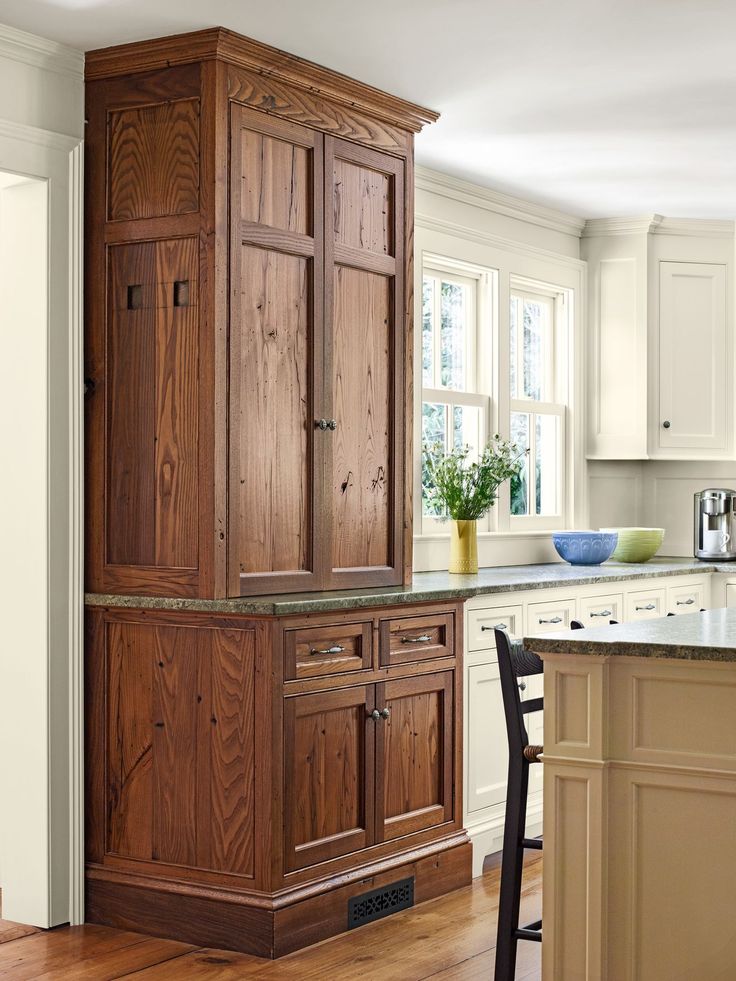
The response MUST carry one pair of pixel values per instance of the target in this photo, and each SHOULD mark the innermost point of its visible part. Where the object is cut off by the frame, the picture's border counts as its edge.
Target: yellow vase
(464, 547)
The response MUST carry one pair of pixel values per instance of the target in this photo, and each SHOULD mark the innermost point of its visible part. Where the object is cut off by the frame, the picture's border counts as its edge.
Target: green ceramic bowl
(636, 544)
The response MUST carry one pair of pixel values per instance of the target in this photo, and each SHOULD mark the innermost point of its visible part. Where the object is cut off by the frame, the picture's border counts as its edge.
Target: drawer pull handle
(552, 620)
(328, 650)
(498, 626)
(603, 613)
(421, 639)
(649, 606)
(687, 602)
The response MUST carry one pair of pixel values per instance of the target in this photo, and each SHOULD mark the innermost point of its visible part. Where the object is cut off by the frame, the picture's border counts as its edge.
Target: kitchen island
(640, 800)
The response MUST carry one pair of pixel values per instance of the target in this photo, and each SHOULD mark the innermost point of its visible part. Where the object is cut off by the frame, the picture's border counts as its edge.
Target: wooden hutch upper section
(249, 222)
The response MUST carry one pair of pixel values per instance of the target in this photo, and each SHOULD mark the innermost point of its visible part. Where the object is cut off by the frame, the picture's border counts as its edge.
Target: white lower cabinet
(529, 612)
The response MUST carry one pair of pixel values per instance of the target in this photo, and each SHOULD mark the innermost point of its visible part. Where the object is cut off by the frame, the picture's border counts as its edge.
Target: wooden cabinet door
(364, 363)
(329, 774)
(276, 284)
(178, 755)
(415, 754)
(694, 373)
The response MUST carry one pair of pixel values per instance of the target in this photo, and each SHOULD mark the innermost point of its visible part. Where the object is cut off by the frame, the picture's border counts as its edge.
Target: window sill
(490, 536)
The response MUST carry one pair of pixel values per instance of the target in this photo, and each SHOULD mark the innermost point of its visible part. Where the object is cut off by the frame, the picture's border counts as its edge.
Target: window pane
(454, 309)
(466, 428)
(520, 483)
(534, 350)
(428, 331)
(434, 437)
(546, 464)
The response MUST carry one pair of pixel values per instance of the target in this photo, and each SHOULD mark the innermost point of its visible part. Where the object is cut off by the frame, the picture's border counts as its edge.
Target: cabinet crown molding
(457, 189)
(28, 49)
(221, 44)
(659, 225)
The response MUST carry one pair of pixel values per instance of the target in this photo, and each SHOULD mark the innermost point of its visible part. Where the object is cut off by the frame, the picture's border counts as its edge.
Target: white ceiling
(600, 108)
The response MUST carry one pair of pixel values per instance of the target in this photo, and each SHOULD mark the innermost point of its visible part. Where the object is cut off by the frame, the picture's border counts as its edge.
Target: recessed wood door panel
(329, 744)
(180, 746)
(275, 341)
(415, 761)
(364, 345)
(152, 405)
(153, 160)
(364, 201)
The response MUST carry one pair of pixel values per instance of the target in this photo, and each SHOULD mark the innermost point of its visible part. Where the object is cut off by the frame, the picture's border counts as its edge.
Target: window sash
(532, 520)
(445, 275)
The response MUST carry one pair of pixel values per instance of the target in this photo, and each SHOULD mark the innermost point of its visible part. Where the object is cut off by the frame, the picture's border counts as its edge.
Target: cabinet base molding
(486, 836)
(266, 926)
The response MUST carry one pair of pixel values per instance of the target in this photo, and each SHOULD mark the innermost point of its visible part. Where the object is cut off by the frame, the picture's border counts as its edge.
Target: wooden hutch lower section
(247, 777)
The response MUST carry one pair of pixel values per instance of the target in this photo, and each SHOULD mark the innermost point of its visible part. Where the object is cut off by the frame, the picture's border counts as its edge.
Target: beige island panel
(640, 801)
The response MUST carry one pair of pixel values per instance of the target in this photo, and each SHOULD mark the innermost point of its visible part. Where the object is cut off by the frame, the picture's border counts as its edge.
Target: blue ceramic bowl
(585, 547)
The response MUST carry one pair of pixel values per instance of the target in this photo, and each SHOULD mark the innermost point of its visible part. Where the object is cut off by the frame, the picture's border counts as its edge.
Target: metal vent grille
(377, 903)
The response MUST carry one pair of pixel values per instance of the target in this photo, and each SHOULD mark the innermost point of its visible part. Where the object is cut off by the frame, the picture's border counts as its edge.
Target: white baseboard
(486, 836)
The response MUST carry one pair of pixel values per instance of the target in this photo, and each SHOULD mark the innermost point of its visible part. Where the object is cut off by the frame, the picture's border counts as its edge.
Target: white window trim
(503, 257)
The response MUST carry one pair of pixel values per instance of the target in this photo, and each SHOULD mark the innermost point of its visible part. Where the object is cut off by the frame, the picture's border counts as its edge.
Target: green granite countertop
(708, 636)
(427, 587)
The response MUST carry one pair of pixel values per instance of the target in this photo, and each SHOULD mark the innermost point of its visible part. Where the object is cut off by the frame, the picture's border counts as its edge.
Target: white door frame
(56, 159)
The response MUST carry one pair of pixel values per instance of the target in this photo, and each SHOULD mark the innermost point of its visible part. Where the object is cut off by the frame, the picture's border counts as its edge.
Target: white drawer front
(645, 605)
(685, 599)
(543, 618)
(598, 610)
(482, 623)
(487, 749)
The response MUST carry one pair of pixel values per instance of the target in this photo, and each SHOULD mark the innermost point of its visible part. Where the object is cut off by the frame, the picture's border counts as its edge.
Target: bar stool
(514, 663)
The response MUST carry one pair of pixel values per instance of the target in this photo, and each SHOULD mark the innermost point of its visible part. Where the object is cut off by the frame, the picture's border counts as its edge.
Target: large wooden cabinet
(246, 777)
(248, 375)
(249, 317)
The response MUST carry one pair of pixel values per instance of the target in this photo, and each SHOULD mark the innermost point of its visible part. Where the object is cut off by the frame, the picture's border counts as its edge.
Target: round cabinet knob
(385, 713)
(666, 424)
(332, 424)
(375, 715)
(322, 424)
(522, 686)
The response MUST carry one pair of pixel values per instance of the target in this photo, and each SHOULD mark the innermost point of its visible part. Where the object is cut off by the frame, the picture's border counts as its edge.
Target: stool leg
(512, 863)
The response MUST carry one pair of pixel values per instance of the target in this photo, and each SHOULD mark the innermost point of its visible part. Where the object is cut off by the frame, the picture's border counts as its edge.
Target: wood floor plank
(59, 950)
(14, 931)
(119, 963)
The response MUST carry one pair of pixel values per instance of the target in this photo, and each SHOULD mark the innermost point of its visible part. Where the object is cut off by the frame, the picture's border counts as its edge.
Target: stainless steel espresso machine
(715, 524)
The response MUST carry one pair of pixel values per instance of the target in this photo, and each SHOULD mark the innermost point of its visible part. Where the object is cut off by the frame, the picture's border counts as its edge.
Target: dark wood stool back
(515, 663)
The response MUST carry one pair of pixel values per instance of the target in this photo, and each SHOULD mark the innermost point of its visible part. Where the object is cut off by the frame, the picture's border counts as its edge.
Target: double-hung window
(455, 412)
(538, 403)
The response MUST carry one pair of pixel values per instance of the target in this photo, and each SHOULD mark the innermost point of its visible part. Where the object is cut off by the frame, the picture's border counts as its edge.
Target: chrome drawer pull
(649, 606)
(421, 639)
(499, 626)
(553, 620)
(328, 650)
(687, 602)
(603, 613)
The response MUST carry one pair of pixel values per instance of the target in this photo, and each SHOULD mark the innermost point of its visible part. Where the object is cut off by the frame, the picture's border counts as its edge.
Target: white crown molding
(699, 227)
(37, 136)
(40, 52)
(638, 225)
(494, 201)
(497, 241)
(659, 225)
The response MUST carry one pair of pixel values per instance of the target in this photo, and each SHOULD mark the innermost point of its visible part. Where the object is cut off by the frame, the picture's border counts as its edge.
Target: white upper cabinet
(694, 359)
(660, 353)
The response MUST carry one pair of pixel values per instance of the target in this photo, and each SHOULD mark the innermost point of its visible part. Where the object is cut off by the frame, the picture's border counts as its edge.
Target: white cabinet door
(694, 359)
(686, 599)
(487, 747)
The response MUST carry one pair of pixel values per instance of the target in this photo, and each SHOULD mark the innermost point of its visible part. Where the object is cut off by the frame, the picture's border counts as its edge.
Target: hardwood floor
(448, 939)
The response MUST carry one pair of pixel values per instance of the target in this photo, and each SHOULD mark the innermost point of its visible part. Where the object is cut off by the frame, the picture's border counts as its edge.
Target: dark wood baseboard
(252, 928)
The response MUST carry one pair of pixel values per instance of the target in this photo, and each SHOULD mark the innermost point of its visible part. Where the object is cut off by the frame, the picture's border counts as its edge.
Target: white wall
(41, 126)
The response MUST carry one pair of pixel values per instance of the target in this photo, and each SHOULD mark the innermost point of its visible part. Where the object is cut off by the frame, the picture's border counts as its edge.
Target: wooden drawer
(543, 618)
(310, 652)
(482, 623)
(598, 610)
(685, 599)
(417, 638)
(647, 604)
